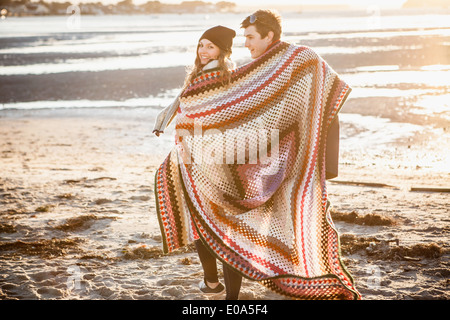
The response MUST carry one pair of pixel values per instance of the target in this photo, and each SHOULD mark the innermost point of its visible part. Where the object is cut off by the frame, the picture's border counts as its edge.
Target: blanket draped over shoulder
(247, 177)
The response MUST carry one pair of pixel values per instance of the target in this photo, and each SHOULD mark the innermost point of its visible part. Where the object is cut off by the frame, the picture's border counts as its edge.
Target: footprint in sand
(141, 198)
(47, 292)
(102, 201)
(174, 292)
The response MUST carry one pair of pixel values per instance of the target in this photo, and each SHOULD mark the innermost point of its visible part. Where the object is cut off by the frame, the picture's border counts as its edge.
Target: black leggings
(232, 279)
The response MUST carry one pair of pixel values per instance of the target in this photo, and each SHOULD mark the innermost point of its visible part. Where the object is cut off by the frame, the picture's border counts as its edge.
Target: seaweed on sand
(371, 219)
(46, 248)
(385, 250)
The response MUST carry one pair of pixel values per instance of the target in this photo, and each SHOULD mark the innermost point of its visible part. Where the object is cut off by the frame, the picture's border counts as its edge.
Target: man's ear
(270, 36)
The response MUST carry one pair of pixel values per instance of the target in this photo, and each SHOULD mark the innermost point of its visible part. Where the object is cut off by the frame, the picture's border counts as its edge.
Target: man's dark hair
(265, 21)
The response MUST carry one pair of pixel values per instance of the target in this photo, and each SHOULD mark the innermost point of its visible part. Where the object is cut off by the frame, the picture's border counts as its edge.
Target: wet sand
(407, 52)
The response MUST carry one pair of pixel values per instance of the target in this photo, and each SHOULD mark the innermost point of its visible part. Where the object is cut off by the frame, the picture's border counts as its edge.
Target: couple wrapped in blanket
(246, 178)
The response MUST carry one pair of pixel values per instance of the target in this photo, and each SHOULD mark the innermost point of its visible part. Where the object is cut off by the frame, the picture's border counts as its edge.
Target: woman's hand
(157, 132)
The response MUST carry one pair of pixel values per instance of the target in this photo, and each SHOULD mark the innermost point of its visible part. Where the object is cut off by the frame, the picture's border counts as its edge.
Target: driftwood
(383, 185)
(430, 189)
(367, 184)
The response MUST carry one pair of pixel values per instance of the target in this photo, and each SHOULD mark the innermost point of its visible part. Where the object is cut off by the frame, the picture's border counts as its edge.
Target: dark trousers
(232, 279)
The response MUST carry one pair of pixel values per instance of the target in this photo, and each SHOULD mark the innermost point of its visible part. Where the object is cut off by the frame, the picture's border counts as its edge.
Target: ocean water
(170, 39)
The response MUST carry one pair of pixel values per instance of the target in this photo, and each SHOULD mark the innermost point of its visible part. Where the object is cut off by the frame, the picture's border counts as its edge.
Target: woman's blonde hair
(196, 69)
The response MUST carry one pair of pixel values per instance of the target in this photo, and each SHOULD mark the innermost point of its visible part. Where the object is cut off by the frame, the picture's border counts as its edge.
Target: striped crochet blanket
(247, 174)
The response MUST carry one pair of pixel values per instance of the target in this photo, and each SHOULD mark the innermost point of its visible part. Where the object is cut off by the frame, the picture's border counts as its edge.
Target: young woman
(213, 54)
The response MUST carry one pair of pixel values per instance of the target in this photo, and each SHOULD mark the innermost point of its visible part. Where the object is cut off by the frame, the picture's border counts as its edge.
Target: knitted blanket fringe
(247, 173)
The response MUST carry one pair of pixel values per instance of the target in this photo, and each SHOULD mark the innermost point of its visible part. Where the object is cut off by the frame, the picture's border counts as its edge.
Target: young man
(263, 30)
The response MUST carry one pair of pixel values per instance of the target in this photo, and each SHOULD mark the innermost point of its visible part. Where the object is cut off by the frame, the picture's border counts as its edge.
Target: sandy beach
(78, 216)
(77, 208)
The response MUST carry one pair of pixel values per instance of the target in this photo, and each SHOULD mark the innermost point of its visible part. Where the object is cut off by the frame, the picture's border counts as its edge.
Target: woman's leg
(233, 282)
(208, 262)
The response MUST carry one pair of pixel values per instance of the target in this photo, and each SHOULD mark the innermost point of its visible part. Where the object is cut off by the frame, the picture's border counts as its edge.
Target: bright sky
(356, 3)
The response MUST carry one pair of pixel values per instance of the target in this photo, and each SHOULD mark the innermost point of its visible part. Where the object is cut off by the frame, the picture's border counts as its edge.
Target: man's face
(255, 43)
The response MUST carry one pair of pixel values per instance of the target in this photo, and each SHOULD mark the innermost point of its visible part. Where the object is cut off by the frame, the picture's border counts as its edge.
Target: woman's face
(207, 51)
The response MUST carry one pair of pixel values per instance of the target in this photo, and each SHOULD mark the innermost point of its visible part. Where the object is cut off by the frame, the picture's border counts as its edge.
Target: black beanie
(220, 36)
